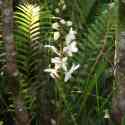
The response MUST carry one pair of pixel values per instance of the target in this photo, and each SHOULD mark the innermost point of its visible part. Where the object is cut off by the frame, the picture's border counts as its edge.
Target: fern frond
(27, 35)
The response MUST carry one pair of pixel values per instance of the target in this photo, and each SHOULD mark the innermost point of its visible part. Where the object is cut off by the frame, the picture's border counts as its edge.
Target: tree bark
(21, 115)
(119, 95)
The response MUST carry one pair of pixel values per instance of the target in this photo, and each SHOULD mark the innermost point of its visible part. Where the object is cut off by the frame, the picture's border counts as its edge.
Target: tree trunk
(21, 115)
(119, 96)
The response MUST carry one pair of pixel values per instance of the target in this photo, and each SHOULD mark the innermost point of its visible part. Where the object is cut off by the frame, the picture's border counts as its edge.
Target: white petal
(64, 7)
(56, 60)
(67, 51)
(72, 31)
(54, 49)
(73, 47)
(62, 21)
(69, 23)
(67, 76)
(72, 68)
(60, 63)
(53, 72)
(65, 59)
(57, 10)
(70, 49)
(71, 36)
(48, 70)
(55, 26)
(52, 75)
(56, 36)
(76, 67)
(57, 66)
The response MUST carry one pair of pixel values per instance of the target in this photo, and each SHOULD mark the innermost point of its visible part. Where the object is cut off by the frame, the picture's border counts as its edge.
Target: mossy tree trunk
(21, 115)
(119, 96)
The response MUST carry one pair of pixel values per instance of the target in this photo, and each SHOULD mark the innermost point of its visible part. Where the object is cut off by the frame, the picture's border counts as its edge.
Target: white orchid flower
(60, 62)
(57, 10)
(53, 48)
(64, 7)
(71, 48)
(68, 74)
(70, 36)
(56, 36)
(55, 26)
(62, 21)
(69, 23)
(53, 73)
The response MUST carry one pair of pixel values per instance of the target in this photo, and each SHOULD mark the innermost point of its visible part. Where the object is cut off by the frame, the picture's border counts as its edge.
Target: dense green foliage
(87, 96)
